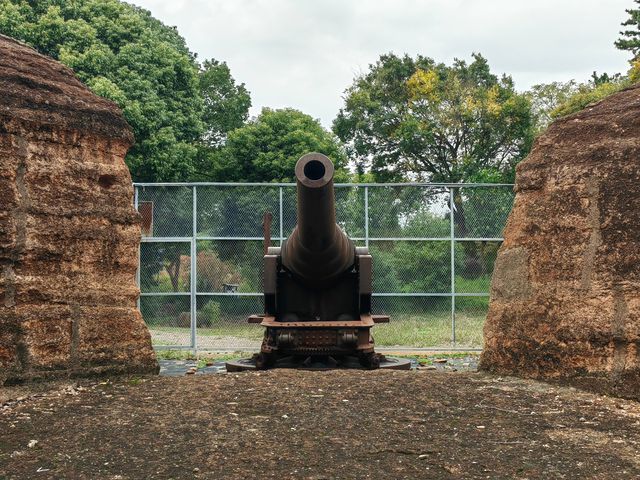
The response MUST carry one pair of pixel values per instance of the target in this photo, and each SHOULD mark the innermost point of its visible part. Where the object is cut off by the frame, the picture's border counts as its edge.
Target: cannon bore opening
(314, 170)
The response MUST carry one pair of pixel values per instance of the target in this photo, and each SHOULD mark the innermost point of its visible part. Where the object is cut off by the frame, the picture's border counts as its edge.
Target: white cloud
(304, 53)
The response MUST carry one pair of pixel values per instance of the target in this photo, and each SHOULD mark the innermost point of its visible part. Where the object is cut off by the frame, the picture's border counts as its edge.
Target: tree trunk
(472, 262)
(173, 269)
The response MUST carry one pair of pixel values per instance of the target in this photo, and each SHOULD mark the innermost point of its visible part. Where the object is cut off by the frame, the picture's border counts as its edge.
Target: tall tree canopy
(267, 148)
(121, 52)
(630, 36)
(418, 119)
(226, 105)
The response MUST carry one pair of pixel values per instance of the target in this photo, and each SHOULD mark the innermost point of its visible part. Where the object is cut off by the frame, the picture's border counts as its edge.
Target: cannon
(317, 285)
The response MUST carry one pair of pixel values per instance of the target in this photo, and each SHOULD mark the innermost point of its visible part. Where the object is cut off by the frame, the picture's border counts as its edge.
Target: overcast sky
(305, 53)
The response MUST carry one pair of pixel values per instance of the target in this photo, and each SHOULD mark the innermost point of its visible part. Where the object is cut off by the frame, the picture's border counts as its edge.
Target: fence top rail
(267, 184)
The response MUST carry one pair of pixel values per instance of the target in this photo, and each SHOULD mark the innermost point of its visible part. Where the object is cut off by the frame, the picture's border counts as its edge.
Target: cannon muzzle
(317, 250)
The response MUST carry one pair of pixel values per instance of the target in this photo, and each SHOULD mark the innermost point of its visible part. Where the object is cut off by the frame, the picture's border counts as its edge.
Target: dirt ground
(316, 425)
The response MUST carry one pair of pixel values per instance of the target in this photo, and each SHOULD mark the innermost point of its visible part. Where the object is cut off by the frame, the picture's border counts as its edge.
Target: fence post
(193, 276)
(453, 264)
(366, 216)
(135, 205)
(281, 217)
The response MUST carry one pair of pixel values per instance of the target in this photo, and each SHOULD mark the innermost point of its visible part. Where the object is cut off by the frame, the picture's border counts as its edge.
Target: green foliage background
(415, 119)
(121, 52)
(267, 148)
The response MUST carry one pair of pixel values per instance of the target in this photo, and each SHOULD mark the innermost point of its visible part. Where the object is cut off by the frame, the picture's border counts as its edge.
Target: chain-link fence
(201, 258)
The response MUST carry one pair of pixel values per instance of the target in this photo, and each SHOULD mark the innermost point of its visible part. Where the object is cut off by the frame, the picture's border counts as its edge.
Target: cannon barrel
(317, 250)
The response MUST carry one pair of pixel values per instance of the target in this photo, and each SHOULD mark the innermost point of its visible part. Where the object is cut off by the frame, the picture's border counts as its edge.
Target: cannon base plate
(319, 362)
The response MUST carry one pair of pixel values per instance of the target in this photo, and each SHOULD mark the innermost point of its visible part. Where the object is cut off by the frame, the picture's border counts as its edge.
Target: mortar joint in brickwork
(595, 238)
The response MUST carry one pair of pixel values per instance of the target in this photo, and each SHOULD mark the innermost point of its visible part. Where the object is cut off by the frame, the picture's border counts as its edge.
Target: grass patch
(473, 285)
(427, 330)
(431, 331)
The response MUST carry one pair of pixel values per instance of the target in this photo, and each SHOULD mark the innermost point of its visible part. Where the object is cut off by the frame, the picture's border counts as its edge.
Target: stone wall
(565, 295)
(69, 234)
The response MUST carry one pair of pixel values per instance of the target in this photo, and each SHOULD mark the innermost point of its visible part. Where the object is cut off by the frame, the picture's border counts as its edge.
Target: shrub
(586, 95)
(213, 272)
(209, 315)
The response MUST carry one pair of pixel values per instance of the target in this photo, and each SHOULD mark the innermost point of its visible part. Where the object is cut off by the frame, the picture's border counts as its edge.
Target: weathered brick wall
(565, 296)
(69, 234)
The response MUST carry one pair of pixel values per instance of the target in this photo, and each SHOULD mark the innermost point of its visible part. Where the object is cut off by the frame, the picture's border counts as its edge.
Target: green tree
(267, 148)
(226, 105)
(546, 97)
(122, 53)
(417, 119)
(421, 120)
(630, 37)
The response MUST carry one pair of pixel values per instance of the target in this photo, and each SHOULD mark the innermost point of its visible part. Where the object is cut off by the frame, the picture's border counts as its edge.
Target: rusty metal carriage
(318, 284)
